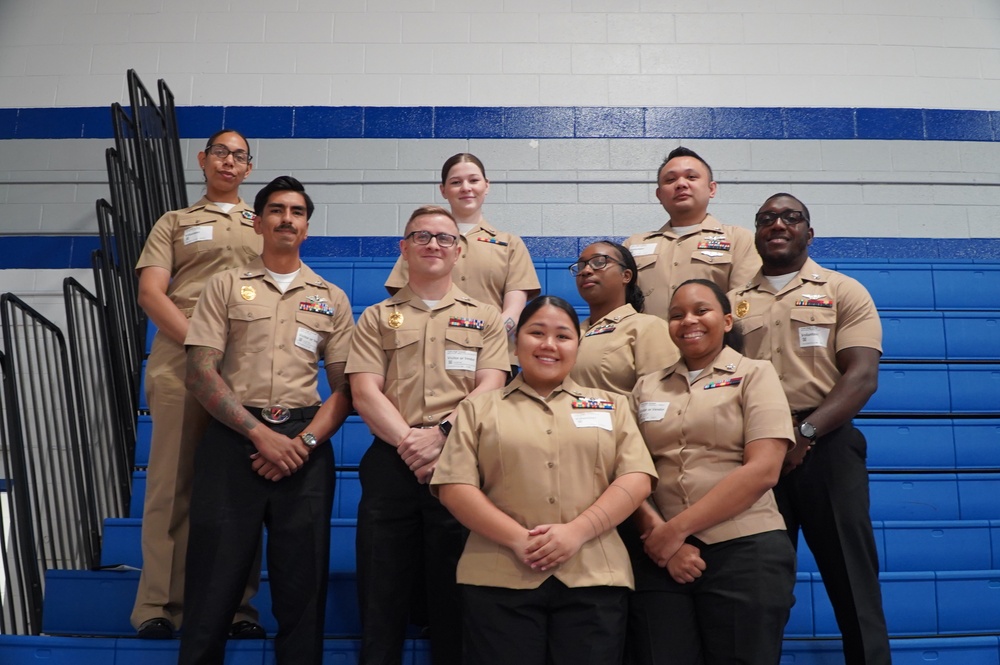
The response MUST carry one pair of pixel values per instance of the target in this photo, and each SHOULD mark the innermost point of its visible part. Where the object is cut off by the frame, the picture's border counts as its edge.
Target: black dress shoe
(247, 630)
(155, 629)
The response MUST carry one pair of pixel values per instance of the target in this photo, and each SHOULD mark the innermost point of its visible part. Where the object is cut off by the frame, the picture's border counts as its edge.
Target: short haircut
(785, 195)
(542, 301)
(428, 210)
(458, 159)
(734, 338)
(283, 183)
(681, 151)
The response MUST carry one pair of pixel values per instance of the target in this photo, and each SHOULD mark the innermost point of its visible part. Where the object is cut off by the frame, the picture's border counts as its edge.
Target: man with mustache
(253, 348)
(821, 331)
(692, 244)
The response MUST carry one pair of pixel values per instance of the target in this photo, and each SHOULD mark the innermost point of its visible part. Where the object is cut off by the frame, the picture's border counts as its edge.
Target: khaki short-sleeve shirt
(272, 342)
(697, 432)
(619, 348)
(801, 328)
(198, 242)
(428, 357)
(543, 461)
(717, 252)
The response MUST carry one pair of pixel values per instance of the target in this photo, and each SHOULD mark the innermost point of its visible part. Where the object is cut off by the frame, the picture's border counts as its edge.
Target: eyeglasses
(424, 238)
(789, 217)
(220, 151)
(596, 262)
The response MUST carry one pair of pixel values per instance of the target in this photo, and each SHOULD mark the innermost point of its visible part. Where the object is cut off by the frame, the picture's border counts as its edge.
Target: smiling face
(684, 188)
(546, 348)
(465, 189)
(607, 285)
(224, 176)
(783, 247)
(430, 260)
(284, 223)
(697, 324)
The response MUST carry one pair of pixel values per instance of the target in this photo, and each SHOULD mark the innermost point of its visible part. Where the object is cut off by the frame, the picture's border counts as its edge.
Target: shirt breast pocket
(313, 330)
(402, 349)
(814, 327)
(250, 328)
(461, 349)
(197, 235)
(752, 328)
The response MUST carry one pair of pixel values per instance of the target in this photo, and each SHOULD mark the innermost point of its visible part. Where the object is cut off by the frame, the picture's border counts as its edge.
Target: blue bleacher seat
(968, 601)
(937, 545)
(347, 495)
(138, 494)
(974, 388)
(340, 273)
(29, 650)
(977, 443)
(368, 283)
(560, 282)
(972, 335)
(914, 496)
(911, 388)
(908, 600)
(969, 286)
(896, 286)
(975, 650)
(144, 436)
(979, 496)
(357, 437)
(800, 621)
(913, 335)
(908, 443)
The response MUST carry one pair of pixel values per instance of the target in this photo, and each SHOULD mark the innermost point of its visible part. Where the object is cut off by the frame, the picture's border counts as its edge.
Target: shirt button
(676, 264)
(281, 346)
(551, 464)
(778, 350)
(228, 247)
(777, 323)
(552, 499)
(431, 393)
(433, 365)
(463, 278)
(433, 339)
(430, 417)
(548, 431)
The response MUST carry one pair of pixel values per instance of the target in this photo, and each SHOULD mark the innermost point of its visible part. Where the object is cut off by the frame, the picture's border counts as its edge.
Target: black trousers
(551, 625)
(827, 497)
(229, 503)
(734, 613)
(408, 544)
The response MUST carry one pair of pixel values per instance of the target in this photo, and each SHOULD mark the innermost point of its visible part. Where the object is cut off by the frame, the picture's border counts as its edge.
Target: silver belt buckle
(275, 414)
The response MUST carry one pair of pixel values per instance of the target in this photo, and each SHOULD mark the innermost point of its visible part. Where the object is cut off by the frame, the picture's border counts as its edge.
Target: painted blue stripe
(63, 252)
(416, 122)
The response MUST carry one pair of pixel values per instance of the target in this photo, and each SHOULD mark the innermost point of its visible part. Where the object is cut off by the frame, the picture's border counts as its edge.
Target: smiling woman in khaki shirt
(718, 426)
(541, 472)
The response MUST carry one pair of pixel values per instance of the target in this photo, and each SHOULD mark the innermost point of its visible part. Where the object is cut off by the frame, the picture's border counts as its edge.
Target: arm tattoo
(206, 384)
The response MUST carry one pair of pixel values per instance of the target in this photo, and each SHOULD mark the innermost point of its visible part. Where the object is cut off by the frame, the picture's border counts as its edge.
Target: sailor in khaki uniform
(619, 343)
(184, 249)
(541, 472)
(256, 339)
(414, 357)
(822, 333)
(692, 244)
(494, 266)
(718, 426)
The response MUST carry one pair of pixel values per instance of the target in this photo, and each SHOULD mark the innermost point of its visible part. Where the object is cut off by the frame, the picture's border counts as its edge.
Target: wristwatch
(308, 439)
(808, 431)
(445, 427)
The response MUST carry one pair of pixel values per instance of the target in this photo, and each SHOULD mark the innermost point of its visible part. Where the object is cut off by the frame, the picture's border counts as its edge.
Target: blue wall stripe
(409, 122)
(63, 252)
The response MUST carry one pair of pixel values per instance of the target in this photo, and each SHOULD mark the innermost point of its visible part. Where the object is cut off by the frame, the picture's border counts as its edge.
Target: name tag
(600, 419)
(644, 249)
(459, 360)
(307, 339)
(813, 336)
(197, 234)
(651, 411)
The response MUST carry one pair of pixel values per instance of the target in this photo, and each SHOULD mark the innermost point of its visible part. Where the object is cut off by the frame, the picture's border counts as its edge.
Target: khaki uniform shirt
(430, 356)
(272, 342)
(198, 242)
(543, 461)
(697, 433)
(718, 252)
(492, 263)
(801, 328)
(619, 348)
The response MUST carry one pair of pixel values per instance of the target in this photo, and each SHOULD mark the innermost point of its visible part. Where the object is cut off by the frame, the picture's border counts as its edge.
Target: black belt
(303, 413)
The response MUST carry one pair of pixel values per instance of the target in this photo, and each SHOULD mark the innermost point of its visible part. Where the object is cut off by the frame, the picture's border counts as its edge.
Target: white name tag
(307, 339)
(650, 411)
(457, 360)
(644, 249)
(813, 336)
(593, 418)
(197, 234)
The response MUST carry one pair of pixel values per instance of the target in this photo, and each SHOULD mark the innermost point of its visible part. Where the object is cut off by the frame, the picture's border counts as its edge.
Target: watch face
(807, 430)
(308, 439)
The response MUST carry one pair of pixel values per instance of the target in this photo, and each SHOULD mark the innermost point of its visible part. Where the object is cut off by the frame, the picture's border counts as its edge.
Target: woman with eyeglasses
(494, 266)
(184, 249)
(541, 472)
(619, 342)
(714, 583)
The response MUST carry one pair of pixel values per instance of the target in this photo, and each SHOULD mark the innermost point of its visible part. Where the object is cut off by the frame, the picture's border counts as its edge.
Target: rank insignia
(248, 292)
(735, 381)
(318, 306)
(731, 367)
(395, 320)
(493, 241)
(458, 322)
(593, 403)
(715, 242)
(742, 309)
(600, 330)
(811, 300)
(248, 214)
(712, 254)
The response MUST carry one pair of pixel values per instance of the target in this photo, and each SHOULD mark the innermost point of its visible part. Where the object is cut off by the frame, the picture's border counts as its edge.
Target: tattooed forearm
(205, 383)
